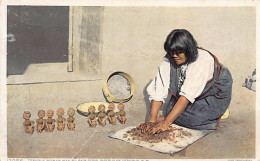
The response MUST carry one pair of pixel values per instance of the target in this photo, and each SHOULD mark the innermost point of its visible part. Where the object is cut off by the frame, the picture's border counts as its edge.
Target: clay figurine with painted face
(121, 113)
(40, 122)
(71, 120)
(101, 115)
(92, 119)
(50, 122)
(28, 124)
(111, 114)
(60, 120)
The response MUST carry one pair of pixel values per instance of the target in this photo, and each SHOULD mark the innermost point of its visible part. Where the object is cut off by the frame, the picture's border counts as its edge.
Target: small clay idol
(60, 120)
(50, 121)
(40, 122)
(71, 120)
(111, 114)
(101, 115)
(121, 113)
(92, 120)
(28, 124)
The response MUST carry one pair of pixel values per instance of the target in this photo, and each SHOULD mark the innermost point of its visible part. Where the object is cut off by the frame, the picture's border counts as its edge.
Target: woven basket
(112, 98)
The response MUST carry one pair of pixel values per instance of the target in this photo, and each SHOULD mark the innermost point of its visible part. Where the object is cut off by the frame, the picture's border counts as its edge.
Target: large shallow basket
(108, 93)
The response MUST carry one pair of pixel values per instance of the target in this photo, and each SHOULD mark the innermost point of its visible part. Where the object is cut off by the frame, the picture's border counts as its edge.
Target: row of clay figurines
(101, 117)
(49, 123)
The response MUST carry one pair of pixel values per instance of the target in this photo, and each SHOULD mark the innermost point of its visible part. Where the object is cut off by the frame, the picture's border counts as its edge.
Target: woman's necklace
(182, 75)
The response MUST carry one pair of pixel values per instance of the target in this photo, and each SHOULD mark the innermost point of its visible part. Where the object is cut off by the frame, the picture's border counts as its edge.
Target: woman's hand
(146, 127)
(159, 127)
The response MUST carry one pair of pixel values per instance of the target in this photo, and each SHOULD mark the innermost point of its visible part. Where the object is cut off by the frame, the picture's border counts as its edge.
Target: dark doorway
(36, 34)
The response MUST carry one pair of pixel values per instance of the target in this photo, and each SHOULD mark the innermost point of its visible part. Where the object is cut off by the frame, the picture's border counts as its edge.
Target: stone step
(48, 73)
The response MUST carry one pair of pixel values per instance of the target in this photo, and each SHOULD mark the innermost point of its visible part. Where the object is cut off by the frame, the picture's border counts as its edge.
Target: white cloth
(197, 75)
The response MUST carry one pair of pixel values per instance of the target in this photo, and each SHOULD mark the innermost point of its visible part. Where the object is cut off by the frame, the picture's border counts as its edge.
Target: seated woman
(200, 86)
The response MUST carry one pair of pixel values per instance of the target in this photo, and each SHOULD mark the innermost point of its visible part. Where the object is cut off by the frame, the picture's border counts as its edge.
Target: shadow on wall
(39, 34)
(148, 103)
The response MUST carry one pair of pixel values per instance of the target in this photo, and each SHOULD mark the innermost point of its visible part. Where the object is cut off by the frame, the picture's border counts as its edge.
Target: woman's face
(178, 58)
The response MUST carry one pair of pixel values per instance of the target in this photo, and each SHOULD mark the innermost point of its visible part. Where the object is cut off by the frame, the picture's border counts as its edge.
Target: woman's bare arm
(155, 107)
(178, 108)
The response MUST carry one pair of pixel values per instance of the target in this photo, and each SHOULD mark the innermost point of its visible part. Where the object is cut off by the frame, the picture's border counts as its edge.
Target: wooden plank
(70, 46)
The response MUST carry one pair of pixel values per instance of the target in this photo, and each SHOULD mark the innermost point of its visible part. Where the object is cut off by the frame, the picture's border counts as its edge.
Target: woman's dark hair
(181, 40)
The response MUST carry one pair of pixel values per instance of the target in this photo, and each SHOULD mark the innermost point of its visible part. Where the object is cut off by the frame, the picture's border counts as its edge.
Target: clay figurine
(92, 120)
(60, 120)
(40, 122)
(28, 124)
(71, 120)
(49, 121)
(111, 114)
(101, 115)
(121, 113)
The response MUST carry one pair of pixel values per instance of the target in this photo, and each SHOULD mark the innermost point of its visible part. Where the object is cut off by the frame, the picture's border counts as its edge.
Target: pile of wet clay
(172, 134)
(177, 134)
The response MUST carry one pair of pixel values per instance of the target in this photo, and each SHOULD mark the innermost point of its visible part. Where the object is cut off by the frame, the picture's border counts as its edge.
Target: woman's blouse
(193, 78)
